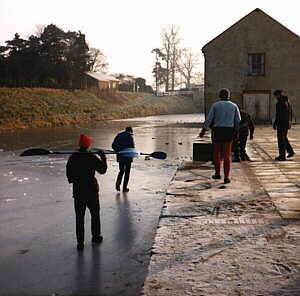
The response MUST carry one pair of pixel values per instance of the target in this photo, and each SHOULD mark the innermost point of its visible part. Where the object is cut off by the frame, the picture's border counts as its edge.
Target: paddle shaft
(130, 152)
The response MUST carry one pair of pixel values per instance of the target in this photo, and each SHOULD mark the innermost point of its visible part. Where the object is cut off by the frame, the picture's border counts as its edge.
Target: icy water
(37, 234)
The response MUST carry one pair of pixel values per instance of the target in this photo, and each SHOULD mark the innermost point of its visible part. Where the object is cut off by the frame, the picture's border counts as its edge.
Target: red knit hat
(84, 141)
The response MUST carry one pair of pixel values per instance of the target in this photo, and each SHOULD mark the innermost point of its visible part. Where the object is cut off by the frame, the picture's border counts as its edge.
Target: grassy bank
(27, 108)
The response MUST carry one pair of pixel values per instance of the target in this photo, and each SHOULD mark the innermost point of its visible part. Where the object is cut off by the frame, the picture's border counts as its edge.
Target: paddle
(157, 154)
(41, 151)
(129, 152)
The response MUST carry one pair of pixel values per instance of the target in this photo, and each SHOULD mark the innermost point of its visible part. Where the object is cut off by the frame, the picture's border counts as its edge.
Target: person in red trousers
(223, 118)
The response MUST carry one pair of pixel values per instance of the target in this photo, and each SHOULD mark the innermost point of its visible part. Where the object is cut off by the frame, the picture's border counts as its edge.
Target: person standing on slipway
(246, 125)
(223, 118)
(81, 168)
(282, 124)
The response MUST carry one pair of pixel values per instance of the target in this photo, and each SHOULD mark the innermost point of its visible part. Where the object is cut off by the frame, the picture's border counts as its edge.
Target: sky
(127, 31)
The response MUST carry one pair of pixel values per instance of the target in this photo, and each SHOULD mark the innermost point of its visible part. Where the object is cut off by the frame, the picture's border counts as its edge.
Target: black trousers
(243, 143)
(283, 142)
(124, 167)
(80, 206)
(239, 146)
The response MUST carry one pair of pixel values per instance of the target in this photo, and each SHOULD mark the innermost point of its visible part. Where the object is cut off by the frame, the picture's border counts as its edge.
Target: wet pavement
(280, 179)
(38, 245)
(238, 239)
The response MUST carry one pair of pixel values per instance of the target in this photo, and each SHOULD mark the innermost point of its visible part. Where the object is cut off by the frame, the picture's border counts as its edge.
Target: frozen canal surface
(38, 246)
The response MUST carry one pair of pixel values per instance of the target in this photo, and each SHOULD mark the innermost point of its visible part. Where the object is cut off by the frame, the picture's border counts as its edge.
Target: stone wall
(226, 60)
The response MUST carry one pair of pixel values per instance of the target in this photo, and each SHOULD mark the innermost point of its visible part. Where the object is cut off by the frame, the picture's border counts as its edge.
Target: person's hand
(236, 136)
(201, 135)
(101, 154)
(274, 126)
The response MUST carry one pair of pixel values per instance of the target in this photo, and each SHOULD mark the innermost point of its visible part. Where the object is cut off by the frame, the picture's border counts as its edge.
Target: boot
(247, 158)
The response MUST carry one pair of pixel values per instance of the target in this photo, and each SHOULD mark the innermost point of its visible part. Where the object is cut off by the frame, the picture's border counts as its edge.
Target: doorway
(257, 104)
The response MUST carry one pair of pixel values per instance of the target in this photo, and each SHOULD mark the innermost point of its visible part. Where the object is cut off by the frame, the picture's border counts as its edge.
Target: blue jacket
(223, 114)
(122, 141)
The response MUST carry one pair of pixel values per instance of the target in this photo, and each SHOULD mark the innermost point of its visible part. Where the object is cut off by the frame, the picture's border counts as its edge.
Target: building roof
(257, 10)
(101, 77)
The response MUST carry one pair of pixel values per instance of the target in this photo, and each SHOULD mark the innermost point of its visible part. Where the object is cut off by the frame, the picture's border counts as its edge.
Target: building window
(256, 64)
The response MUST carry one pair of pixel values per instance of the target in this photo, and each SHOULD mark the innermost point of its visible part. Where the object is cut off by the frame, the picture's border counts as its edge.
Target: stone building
(252, 58)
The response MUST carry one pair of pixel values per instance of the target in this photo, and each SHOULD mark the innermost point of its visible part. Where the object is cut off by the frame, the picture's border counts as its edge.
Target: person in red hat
(81, 168)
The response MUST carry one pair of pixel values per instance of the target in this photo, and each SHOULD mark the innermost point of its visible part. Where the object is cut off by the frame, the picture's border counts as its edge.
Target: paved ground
(240, 240)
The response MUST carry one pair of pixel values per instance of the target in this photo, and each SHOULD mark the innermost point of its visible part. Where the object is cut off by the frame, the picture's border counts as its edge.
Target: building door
(257, 104)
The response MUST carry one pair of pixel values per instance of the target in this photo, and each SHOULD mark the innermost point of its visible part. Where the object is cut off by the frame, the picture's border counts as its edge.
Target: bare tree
(198, 78)
(175, 53)
(98, 61)
(39, 29)
(170, 47)
(187, 65)
(158, 71)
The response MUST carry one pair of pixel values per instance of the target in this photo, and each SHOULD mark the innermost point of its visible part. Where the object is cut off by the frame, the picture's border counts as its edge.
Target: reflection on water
(123, 227)
(151, 133)
(179, 118)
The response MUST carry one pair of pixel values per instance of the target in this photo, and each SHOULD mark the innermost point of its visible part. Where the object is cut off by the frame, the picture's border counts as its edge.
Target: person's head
(84, 143)
(224, 94)
(277, 94)
(129, 130)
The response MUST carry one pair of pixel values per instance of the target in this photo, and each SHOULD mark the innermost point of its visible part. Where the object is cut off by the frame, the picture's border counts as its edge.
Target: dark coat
(122, 141)
(283, 114)
(81, 168)
(246, 124)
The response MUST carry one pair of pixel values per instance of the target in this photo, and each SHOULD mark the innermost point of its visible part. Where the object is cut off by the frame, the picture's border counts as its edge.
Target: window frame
(262, 65)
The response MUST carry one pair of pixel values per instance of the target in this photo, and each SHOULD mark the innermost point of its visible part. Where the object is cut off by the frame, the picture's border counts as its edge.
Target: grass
(40, 107)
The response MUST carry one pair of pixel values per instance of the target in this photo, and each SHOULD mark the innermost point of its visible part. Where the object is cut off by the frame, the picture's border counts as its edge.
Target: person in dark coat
(81, 168)
(122, 141)
(246, 125)
(282, 124)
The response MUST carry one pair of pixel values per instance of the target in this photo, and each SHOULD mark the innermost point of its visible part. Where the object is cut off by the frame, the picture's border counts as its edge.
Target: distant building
(101, 81)
(132, 84)
(126, 82)
(141, 86)
(252, 58)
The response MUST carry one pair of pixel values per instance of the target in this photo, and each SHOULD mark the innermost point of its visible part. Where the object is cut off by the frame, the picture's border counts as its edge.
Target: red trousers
(226, 148)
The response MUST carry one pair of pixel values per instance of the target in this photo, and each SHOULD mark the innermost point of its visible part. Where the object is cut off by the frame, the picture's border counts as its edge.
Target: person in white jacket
(223, 118)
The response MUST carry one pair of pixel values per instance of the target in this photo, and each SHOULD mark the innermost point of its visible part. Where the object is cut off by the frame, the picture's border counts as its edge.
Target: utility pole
(156, 78)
